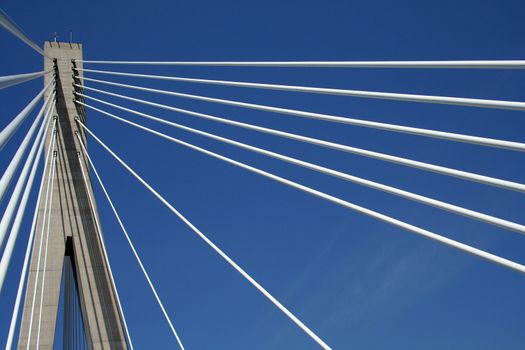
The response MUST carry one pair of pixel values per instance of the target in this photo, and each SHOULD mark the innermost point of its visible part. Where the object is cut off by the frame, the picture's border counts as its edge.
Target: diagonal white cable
(125, 231)
(46, 218)
(31, 167)
(477, 140)
(29, 252)
(9, 172)
(415, 229)
(212, 245)
(459, 101)
(10, 209)
(105, 253)
(487, 180)
(11, 80)
(378, 186)
(10, 129)
(479, 64)
(12, 27)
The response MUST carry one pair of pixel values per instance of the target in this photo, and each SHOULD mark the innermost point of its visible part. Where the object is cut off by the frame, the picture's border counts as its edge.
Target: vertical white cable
(45, 217)
(153, 289)
(15, 229)
(104, 251)
(28, 254)
(48, 229)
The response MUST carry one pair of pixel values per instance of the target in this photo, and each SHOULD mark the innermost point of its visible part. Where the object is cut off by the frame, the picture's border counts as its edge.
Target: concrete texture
(71, 216)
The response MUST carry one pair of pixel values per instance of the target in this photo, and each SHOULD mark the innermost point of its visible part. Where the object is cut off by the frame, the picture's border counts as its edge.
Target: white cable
(48, 230)
(11, 26)
(487, 180)
(11, 80)
(104, 251)
(9, 172)
(9, 212)
(213, 246)
(378, 186)
(29, 251)
(46, 217)
(487, 64)
(477, 140)
(447, 241)
(146, 275)
(10, 129)
(38, 147)
(460, 101)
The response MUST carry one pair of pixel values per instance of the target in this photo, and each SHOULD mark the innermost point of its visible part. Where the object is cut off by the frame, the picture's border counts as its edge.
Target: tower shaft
(72, 218)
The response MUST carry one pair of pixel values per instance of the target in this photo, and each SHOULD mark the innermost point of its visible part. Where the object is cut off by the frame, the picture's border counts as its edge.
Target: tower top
(62, 45)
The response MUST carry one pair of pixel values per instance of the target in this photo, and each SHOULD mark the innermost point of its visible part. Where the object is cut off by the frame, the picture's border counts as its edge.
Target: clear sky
(358, 283)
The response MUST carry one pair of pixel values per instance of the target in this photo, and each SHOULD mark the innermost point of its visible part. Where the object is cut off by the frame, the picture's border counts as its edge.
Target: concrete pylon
(72, 221)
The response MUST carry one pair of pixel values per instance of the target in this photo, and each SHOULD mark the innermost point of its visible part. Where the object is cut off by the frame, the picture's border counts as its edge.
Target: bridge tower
(74, 250)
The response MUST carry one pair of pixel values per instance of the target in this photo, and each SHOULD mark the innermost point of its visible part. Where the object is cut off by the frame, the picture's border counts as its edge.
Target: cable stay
(28, 155)
(131, 245)
(28, 254)
(46, 219)
(415, 229)
(48, 230)
(7, 217)
(461, 64)
(229, 260)
(382, 217)
(12, 80)
(477, 140)
(9, 173)
(344, 176)
(105, 254)
(459, 101)
(30, 167)
(11, 128)
(12, 27)
(486, 180)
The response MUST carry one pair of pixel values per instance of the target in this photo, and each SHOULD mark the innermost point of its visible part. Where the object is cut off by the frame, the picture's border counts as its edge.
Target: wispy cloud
(373, 281)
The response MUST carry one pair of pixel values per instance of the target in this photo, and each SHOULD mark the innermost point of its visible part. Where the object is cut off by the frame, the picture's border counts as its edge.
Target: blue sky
(359, 283)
